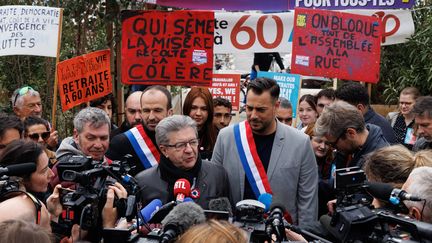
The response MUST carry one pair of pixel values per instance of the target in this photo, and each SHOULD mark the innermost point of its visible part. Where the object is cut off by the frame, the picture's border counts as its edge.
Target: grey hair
(284, 103)
(18, 101)
(95, 116)
(421, 186)
(171, 124)
(338, 117)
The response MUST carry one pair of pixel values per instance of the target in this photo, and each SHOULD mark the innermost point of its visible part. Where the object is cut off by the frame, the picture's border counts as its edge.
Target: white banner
(29, 30)
(243, 32)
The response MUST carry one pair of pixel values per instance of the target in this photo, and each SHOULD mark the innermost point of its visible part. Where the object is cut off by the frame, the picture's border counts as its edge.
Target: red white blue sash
(143, 146)
(250, 159)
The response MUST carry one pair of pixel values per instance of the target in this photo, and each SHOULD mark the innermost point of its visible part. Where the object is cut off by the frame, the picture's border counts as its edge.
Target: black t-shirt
(264, 145)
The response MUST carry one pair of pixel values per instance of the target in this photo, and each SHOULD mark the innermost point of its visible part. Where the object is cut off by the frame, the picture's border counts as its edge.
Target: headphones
(36, 202)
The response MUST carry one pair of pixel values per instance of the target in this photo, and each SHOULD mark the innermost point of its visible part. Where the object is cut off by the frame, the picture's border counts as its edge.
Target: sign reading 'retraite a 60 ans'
(167, 48)
(336, 45)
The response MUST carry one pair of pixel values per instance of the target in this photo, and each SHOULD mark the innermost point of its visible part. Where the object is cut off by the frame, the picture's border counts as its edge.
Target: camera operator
(90, 138)
(419, 183)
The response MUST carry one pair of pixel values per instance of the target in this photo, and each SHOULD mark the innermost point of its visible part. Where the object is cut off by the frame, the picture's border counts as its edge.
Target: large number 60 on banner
(236, 32)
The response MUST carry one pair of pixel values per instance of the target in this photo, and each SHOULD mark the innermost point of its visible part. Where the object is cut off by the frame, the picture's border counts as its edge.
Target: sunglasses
(35, 136)
(24, 90)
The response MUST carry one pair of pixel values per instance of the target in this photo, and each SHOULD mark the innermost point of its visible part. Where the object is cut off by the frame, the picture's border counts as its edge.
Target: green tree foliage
(409, 64)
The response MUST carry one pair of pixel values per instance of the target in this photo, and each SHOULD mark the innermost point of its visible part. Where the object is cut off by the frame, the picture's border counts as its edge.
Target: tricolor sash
(250, 159)
(143, 146)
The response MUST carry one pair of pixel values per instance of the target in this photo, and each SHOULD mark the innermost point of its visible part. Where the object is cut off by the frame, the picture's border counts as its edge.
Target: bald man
(133, 114)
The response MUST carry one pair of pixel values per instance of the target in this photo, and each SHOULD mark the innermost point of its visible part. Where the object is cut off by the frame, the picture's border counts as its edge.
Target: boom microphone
(180, 219)
(18, 169)
(386, 192)
(182, 189)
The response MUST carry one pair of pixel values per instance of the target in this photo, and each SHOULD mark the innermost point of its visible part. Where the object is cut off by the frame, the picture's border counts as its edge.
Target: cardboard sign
(167, 48)
(84, 78)
(231, 36)
(227, 86)
(335, 44)
(289, 87)
(29, 30)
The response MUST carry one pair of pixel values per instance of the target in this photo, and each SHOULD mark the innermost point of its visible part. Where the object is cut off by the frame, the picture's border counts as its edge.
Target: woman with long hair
(199, 106)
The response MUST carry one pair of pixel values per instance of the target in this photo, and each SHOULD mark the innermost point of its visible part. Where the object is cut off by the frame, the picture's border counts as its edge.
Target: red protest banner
(84, 78)
(336, 45)
(227, 86)
(167, 48)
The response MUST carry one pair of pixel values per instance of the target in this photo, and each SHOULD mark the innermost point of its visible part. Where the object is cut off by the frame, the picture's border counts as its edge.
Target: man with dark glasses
(342, 126)
(37, 130)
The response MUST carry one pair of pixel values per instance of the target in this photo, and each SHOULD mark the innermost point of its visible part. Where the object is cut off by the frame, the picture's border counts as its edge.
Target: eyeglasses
(24, 90)
(333, 144)
(321, 105)
(182, 145)
(35, 136)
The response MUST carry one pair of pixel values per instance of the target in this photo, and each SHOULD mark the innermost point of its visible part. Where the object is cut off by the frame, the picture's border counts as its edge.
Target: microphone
(180, 219)
(221, 204)
(266, 199)
(150, 210)
(188, 199)
(274, 223)
(18, 169)
(182, 189)
(386, 192)
(163, 211)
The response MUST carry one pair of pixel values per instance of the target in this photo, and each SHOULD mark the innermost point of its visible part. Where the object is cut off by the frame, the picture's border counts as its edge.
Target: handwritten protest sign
(171, 48)
(84, 78)
(29, 30)
(289, 86)
(227, 86)
(335, 44)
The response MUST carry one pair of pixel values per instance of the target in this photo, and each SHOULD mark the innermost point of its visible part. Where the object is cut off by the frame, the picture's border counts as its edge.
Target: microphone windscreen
(184, 215)
(380, 190)
(182, 186)
(162, 213)
(266, 199)
(188, 199)
(221, 204)
(20, 169)
(150, 209)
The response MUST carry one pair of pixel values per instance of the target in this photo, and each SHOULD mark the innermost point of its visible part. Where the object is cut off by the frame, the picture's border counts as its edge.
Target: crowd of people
(219, 158)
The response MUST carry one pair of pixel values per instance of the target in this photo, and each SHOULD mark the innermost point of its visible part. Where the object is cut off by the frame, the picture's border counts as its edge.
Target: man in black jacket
(139, 141)
(342, 126)
(357, 95)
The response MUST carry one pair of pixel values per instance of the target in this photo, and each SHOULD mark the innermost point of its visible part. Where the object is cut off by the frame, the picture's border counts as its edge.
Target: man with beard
(342, 126)
(132, 112)
(423, 120)
(262, 155)
(139, 141)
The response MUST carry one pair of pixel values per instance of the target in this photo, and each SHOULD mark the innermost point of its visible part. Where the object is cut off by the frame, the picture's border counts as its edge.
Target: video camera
(356, 220)
(84, 205)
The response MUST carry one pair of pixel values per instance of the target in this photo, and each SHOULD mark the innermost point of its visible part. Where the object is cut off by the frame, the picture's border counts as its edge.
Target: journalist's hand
(54, 204)
(109, 212)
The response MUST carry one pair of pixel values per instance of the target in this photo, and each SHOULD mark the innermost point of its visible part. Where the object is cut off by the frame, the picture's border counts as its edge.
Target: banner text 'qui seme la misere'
(167, 48)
